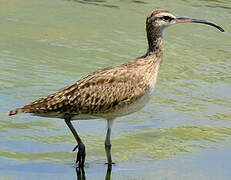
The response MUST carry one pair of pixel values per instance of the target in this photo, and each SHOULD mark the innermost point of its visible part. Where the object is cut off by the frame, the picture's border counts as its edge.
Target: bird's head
(160, 19)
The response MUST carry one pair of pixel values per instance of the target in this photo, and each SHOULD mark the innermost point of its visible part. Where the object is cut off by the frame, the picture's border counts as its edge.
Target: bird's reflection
(108, 174)
(81, 173)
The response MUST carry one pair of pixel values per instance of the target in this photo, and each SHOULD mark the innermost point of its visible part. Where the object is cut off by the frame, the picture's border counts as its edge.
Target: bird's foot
(80, 159)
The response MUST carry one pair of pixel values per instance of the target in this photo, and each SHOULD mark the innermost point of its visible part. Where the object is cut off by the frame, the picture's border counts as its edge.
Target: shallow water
(183, 133)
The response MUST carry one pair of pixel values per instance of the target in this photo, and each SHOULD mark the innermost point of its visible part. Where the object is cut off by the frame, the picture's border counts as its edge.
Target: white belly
(135, 106)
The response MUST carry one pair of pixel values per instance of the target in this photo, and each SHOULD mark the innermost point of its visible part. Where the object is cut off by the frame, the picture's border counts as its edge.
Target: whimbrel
(114, 91)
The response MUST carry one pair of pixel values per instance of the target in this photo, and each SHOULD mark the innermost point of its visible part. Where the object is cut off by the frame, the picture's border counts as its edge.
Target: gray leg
(81, 148)
(108, 143)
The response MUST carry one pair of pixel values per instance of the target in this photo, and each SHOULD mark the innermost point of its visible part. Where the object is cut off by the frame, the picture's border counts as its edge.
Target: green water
(183, 133)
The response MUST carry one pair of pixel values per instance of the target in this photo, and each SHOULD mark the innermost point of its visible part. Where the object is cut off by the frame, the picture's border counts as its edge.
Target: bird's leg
(108, 146)
(108, 143)
(81, 147)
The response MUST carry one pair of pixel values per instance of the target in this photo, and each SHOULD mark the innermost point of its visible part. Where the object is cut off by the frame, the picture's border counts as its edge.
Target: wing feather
(100, 91)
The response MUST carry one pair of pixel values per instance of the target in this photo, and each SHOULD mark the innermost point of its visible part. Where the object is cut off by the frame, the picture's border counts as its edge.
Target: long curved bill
(191, 20)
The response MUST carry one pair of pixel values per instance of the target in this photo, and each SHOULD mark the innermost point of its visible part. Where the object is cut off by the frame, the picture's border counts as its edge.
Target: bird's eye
(166, 18)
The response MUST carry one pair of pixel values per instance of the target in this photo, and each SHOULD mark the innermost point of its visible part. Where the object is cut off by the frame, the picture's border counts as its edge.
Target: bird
(114, 91)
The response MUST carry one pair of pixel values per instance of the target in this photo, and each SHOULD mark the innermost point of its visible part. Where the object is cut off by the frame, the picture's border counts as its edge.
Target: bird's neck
(155, 42)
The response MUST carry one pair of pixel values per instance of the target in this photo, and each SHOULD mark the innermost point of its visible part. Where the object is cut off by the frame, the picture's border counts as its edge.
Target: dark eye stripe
(167, 18)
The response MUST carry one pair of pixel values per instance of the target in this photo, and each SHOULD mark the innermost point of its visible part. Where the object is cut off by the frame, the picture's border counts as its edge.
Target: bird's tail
(16, 111)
